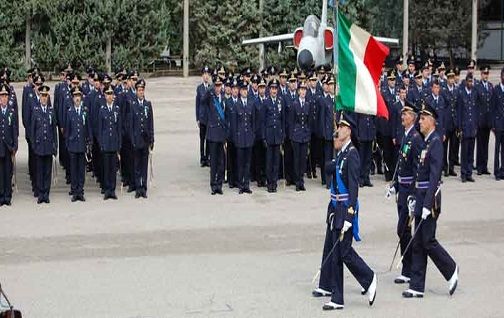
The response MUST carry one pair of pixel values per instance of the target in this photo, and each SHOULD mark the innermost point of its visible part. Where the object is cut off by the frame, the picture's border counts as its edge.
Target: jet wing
(270, 39)
(290, 37)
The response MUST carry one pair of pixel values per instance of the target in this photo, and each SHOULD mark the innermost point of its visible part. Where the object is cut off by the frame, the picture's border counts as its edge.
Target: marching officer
(451, 143)
(427, 209)
(404, 184)
(45, 143)
(497, 104)
(342, 223)
(141, 132)
(300, 134)
(216, 135)
(273, 127)
(109, 139)
(77, 137)
(8, 144)
(201, 115)
(326, 126)
(244, 136)
(468, 123)
(484, 91)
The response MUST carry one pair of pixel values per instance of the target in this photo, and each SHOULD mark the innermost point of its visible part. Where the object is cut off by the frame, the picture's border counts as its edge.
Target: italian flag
(360, 60)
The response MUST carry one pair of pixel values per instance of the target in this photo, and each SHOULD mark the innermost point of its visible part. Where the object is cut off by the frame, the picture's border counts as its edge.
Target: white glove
(411, 205)
(425, 213)
(390, 192)
(346, 226)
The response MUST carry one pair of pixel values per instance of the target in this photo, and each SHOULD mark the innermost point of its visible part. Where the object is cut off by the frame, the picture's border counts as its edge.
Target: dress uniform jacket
(273, 121)
(300, 121)
(8, 132)
(141, 126)
(109, 128)
(440, 106)
(201, 110)
(467, 113)
(450, 114)
(77, 130)
(484, 94)
(245, 129)
(43, 131)
(216, 126)
(326, 117)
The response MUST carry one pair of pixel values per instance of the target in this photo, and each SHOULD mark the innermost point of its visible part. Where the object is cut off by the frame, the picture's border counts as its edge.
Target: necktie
(3, 111)
(44, 109)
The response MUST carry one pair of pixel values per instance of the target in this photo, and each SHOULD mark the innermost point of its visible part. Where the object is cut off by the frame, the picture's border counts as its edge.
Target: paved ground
(185, 253)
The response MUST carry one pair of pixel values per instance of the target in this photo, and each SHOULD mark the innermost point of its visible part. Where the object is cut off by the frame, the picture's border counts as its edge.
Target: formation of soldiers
(265, 126)
(97, 125)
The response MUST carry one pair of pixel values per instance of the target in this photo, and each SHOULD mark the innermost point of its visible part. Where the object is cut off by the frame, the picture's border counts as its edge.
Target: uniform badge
(279, 106)
(115, 117)
(422, 155)
(10, 119)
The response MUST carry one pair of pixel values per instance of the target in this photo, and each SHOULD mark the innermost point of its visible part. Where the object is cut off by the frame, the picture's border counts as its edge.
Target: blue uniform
(77, 137)
(288, 162)
(28, 93)
(325, 127)
(427, 196)
(468, 122)
(244, 136)
(366, 133)
(484, 91)
(216, 134)
(439, 104)
(141, 133)
(451, 143)
(64, 103)
(110, 140)
(416, 94)
(315, 156)
(300, 135)
(497, 109)
(343, 205)
(273, 126)
(231, 166)
(258, 163)
(8, 147)
(386, 128)
(404, 183)
(43, 136)
(201, 118)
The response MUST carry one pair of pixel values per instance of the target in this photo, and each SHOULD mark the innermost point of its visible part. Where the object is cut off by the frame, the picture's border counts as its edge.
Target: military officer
(326, 127)
(451, 143)
(385, 128)
(127, 151)
(109, 139)
(289, 99)
(404, 184)
(300, 134)
(77, 137)
(366, 133)
(244, 136)
(45, 143)
(312, 96)
(427, 209)
(484, 90)
(342, 223)
(497, 104)
(216, 135)
(8, 144)
(258, 163)
(273, 126)
(141, 131)
(468, 123)
(201, 116)
(230, 115)
(416, 92)
(436, 100)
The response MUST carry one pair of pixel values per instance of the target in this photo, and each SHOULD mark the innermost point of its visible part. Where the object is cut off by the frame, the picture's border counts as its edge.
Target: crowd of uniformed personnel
(97, 125)
(259, 127)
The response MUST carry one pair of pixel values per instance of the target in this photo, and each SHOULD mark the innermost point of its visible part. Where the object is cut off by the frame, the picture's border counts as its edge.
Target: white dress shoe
(410, 293)
(372, 290)
(453, 282)
(319, 292)
(332, 306)
(401, 279)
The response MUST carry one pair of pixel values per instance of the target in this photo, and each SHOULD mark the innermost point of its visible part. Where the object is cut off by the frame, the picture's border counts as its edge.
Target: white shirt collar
(502, 86)
(408, 130)
(427, 137)
(346, 145)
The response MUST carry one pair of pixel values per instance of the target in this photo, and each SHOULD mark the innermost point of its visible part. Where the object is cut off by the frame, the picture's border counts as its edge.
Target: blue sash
(343, 190)
(219, 109)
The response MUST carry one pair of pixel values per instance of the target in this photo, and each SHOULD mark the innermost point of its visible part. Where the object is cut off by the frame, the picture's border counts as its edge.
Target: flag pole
(335, 57)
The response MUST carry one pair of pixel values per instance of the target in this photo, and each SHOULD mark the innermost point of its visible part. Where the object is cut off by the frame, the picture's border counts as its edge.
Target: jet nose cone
(305, 59)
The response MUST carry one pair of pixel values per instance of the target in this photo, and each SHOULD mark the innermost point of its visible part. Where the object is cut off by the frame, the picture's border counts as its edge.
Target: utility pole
(185, 58)
(474, 31)
(405, 31)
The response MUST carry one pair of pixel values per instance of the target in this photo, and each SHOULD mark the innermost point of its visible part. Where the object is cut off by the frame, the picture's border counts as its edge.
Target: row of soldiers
(466, 109)
(261, 128)
(469, 109)
(95, 123)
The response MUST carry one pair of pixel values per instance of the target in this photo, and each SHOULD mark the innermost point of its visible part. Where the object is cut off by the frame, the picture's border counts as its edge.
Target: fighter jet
(314, 41)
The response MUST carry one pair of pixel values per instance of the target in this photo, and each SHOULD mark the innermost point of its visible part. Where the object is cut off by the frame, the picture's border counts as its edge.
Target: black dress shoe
(486, 172)
(74, 198)
(39, 200)
(219, 191)
(82, 198)
(131, 189)
(302, 187)
(479, 173)
(412, 294)
(102, 191)
(274, 190)
(47, 201)
(247, 191)
(241, 191)
(8, 203)
(106, 197)
(309, 175)
(298, 188)
(470, 179)
(70, 192)
(113, 196)
(464, 180)
(144, 194)
(270, 190)
(214, 192)
(368, 184)
(452, 173)
(137, 194)
(361, 185)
